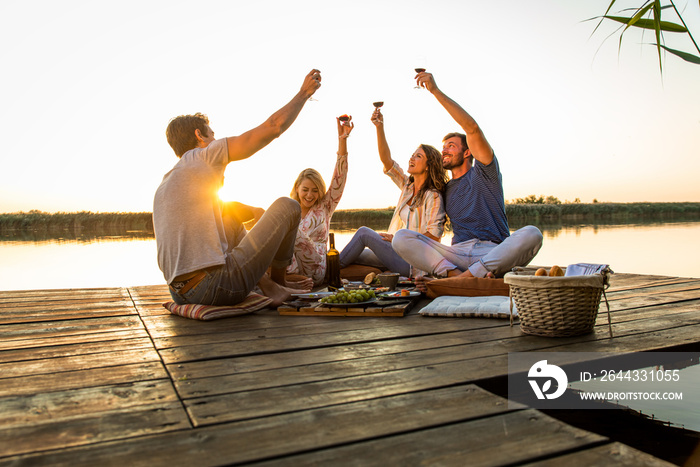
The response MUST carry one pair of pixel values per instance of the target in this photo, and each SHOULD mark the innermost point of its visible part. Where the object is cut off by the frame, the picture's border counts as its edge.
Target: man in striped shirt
(482, 245)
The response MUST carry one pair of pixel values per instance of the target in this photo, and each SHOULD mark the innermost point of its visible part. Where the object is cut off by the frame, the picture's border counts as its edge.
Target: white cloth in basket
(585, 269)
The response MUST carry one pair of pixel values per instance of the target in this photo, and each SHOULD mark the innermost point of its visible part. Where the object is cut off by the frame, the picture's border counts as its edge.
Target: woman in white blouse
(420, 207)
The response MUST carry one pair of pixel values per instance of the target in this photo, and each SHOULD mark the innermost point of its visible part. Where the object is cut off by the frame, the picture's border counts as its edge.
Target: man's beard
(455, 161)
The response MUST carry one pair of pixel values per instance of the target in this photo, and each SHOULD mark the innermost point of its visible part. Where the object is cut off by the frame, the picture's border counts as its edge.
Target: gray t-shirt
(187, 212)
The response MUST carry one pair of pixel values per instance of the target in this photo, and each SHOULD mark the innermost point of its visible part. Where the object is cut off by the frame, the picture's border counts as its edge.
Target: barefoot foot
(422, 283)
(278, 293)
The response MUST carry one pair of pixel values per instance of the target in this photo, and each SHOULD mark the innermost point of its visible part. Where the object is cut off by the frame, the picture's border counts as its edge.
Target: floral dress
(310, 247)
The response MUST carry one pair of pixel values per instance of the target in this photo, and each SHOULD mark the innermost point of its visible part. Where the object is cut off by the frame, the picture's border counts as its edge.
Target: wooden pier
(109, 377)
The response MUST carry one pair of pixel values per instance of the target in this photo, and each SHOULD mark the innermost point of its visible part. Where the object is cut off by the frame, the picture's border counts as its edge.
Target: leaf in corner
(679, 53)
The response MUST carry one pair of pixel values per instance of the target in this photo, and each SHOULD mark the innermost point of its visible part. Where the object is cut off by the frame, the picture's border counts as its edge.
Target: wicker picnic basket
(557, 306)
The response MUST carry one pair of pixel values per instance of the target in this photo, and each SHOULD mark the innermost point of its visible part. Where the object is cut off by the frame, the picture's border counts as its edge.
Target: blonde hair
(316, 179)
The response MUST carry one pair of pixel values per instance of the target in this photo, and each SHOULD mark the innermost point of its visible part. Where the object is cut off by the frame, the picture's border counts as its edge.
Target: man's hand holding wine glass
(425, 80)
(311, 83)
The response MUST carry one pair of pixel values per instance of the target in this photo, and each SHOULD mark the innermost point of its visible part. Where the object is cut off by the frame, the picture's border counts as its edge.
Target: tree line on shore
(518, 212)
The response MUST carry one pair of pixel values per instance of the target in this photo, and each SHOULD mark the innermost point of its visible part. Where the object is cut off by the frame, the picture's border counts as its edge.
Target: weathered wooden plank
(655, 297)
(64, 406)
(86, 338)
(88, 430)
(647, 311)
(58, 297)
(60, 293)
(502, 440)
(656, 287)
(268, 437)
(617, 454)
(180, 330)
(72, 305)
(639, 280)
(77, 362)
(625, 281)
(25, 331)
(73, 349)
(40, 315)
(35, 384)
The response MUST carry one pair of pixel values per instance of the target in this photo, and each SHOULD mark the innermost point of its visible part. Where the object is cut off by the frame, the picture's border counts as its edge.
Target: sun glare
(226, 194)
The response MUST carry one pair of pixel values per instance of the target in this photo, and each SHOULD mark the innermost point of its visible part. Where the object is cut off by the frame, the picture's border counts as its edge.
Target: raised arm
(478, 145)
(340, 173)
(344, 130)
(382, 144)
(250, 142)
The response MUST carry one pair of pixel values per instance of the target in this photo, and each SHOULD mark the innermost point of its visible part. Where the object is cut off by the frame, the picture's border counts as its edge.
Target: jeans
(479, 257)
(379, 252)
(269, 243)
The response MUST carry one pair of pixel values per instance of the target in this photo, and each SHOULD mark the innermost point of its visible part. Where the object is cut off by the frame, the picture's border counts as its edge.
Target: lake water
(33, 262)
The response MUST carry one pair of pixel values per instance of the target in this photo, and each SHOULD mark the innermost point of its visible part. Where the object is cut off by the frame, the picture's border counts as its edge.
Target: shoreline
(518, 214)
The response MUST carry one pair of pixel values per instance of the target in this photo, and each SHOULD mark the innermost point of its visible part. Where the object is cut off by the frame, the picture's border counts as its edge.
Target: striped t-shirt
(475, 205)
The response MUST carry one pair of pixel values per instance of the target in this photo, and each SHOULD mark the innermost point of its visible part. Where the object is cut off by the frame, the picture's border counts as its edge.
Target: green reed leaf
(646, 23)
(679, 53)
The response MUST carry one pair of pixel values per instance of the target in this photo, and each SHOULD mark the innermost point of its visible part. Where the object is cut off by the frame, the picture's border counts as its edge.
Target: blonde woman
(317, 207)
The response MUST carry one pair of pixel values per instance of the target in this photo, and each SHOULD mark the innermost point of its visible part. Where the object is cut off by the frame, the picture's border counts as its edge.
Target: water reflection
(678, 375)
(75, 235)
(116, 258)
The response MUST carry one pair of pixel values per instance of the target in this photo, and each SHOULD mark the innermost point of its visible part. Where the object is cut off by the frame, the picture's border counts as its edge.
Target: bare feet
(467, 273)
(422, 283)
(278, 293)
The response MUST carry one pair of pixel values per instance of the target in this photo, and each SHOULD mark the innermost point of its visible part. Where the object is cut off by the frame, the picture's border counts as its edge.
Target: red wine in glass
(378, 104)
(419, 70)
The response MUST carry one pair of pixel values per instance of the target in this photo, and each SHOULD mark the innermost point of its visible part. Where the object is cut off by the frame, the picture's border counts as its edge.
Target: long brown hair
(437, 175)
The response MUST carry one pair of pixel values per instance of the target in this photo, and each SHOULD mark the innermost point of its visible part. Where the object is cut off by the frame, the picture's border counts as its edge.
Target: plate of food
(311, 296)
(399, 294)
(356, 286)
(347, 305)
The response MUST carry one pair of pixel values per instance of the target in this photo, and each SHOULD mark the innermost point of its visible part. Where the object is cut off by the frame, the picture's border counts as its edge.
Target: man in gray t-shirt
(203, 249)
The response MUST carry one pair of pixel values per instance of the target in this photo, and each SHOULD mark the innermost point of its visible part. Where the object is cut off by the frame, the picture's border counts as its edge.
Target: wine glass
(419, 70)
(421, 63)
(378, 104)
(344, 119)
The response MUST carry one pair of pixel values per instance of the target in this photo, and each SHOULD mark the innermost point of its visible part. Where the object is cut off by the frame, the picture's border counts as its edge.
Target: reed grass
(359, 217)
(602, 211)
(517, 213)
(72, 221)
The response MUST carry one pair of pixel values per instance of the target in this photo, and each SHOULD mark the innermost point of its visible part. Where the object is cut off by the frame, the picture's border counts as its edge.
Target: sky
(88, 88)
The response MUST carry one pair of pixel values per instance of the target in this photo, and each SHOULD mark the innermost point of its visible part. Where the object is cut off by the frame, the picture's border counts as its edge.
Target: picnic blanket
(253, 302)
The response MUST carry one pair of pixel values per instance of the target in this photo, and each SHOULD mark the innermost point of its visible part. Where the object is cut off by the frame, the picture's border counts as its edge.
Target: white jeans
(479, 257)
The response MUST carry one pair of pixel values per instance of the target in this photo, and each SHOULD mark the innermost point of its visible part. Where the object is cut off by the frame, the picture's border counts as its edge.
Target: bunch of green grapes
(352, 296)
